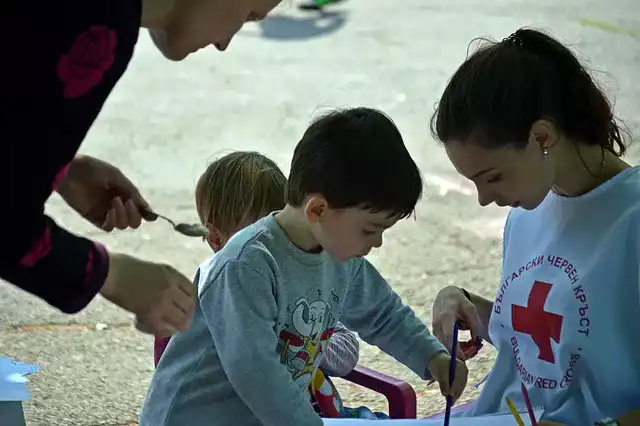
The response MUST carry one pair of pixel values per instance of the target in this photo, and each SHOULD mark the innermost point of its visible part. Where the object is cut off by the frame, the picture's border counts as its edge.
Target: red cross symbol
(541, 325)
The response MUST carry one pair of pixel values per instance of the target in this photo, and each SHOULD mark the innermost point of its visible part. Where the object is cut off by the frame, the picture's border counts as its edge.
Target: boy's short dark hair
(355, 158)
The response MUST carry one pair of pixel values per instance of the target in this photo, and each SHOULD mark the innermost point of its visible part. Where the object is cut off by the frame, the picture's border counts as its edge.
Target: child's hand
(439, 369)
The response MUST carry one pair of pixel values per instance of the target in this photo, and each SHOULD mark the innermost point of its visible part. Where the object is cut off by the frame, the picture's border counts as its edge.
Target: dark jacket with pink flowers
(65, 58)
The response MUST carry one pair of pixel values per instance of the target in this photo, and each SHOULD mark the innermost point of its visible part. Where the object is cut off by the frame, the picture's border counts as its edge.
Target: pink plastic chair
(399, 394)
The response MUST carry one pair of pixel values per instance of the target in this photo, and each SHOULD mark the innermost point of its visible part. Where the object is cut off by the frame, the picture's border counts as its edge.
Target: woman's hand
(102, 194)
(452, 305)
(162, 299)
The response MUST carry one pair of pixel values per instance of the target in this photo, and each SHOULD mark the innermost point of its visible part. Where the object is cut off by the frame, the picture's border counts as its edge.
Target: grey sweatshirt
(265, 314)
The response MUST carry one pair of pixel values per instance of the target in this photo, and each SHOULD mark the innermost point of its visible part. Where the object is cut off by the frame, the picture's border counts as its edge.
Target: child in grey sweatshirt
(269, 300)
(243, 187)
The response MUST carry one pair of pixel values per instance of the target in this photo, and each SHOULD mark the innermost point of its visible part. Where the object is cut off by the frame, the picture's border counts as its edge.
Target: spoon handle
(150, 215)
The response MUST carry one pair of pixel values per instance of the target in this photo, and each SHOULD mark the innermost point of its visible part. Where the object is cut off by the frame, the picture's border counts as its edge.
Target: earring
(545, 154)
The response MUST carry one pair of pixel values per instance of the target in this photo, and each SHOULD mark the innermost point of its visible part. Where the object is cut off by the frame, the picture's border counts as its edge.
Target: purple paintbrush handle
(452, 371)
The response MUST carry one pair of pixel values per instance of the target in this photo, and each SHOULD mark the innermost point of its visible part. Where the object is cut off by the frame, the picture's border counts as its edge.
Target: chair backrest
(159, 345)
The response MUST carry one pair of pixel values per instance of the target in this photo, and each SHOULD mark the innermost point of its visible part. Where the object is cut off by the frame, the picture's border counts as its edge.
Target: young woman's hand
(162, 299)
(452, 305)
(102, 194)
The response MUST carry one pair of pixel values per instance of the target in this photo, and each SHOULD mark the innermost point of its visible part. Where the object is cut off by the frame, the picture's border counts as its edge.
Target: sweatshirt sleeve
(342, 353)
(638, 254)
(378, 315)
(240, 310)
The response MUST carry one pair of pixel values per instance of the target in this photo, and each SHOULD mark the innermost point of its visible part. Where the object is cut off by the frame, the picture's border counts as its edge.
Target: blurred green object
(605, 26)
(318, 4)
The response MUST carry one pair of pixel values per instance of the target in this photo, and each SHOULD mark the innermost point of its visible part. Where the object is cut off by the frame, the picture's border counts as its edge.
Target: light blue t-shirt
(265, 314)
(566, 319)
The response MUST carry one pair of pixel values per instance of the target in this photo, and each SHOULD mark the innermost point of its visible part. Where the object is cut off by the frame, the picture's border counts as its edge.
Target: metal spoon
(187, 229)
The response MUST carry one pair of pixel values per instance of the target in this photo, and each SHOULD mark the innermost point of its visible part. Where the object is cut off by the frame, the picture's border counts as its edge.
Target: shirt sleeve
(240, 310)
(57, 90)
(65, 270)
(378, 315)
(342, 353)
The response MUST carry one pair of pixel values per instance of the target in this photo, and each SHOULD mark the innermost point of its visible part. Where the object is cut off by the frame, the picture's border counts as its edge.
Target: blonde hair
(239, 189)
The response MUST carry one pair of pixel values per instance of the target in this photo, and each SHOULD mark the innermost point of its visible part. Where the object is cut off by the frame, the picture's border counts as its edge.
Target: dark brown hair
(504, 87)
(355, 158)
(238, 189)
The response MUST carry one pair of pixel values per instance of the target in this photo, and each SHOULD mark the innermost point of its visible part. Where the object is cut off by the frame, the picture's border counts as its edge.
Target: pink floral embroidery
(83, 67)
(40, 249)
(88, 268)
(97, 257)
(61, 174)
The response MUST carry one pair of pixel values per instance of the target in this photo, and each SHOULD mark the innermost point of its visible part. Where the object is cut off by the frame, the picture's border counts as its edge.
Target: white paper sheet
(13, 381)
(505, 419)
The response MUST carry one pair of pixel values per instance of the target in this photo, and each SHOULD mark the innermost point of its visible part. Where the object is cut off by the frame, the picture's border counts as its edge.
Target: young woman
(525, 122)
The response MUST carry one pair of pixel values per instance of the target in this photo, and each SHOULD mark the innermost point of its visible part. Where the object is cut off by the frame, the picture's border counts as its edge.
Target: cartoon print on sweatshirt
(303, 341)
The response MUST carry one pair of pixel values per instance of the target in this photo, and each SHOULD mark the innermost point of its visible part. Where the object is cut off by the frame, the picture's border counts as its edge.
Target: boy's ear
(214, 238)
(315, 208)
